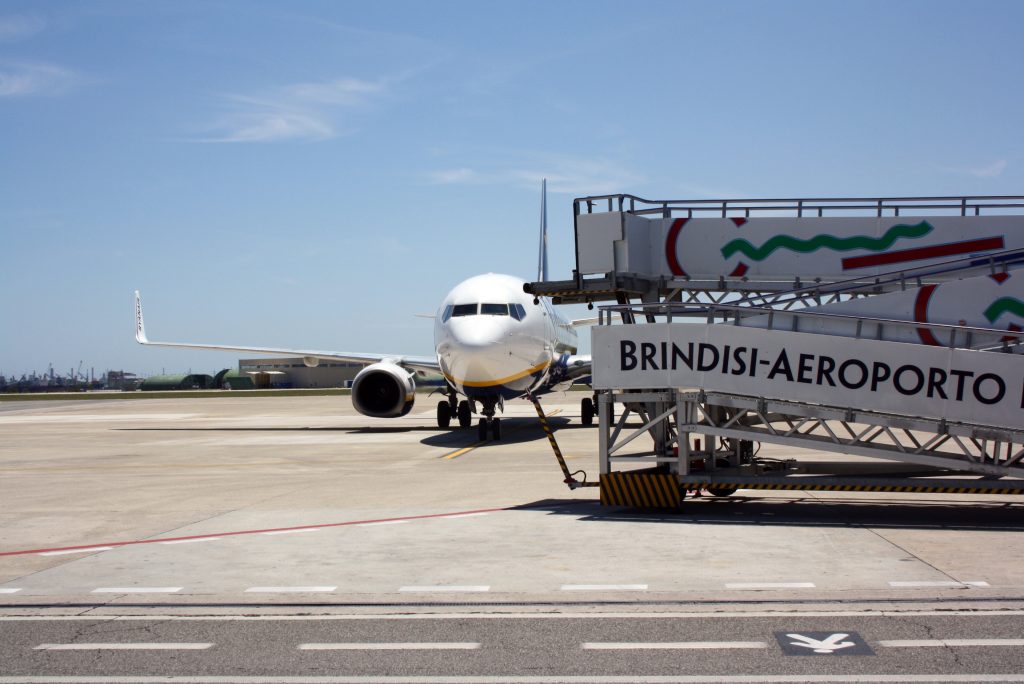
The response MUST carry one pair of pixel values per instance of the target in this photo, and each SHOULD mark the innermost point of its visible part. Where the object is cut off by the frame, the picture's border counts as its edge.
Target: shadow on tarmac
(803, 511)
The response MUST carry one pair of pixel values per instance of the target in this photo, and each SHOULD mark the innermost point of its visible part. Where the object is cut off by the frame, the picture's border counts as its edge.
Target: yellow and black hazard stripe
(823, 487)
(640, 490)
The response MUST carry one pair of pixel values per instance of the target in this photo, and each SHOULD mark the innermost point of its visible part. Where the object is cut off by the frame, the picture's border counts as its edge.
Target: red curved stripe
(670, 247)
(921, 314)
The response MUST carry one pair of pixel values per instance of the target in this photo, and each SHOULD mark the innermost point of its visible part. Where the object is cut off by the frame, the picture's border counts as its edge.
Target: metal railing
(961, 336)
(967, 205)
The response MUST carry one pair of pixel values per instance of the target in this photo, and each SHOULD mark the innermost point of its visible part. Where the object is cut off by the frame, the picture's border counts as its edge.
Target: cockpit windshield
(516, 311)
(494, 309)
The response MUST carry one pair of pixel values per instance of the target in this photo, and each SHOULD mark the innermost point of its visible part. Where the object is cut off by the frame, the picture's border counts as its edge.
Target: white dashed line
(770, 585)
(9, 591)
(411, 646)
(123, 647)
(289, 590)
(453, 588)
(670, 645)
(67, 551)
(190, 541)
(604, 587)
(926, 643)
(942, 583)
(136, 590)
(305, 529)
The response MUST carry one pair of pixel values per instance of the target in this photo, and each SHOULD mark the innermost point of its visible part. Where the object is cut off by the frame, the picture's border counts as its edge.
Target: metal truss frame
(671, 416)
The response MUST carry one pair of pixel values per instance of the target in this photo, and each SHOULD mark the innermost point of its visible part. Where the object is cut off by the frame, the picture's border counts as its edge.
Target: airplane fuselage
(494, 342)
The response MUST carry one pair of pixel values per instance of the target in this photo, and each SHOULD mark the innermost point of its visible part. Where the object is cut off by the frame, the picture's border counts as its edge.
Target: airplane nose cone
(478, 353)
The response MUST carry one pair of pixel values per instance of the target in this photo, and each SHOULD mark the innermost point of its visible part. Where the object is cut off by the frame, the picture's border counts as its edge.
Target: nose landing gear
(488, 423)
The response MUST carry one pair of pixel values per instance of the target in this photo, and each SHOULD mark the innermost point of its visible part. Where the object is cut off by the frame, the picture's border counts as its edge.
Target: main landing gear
(588, 409)
(453, 408)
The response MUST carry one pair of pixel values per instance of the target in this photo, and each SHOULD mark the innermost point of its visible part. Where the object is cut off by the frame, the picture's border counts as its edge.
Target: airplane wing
(423, 363)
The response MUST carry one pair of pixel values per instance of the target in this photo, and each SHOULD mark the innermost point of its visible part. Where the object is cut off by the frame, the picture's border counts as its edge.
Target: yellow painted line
(466, 450)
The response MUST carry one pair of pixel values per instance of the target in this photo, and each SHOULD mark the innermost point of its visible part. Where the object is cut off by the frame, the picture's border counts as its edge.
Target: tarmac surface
(279, 539)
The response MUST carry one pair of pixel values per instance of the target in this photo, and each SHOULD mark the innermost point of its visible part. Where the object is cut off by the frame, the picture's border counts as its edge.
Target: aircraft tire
(587, 411)
(482, 430)
(444, 414)
(465, 414)
(496, 429)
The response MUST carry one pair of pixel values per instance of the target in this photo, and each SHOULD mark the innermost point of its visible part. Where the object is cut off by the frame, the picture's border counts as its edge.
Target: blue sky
(313, 174)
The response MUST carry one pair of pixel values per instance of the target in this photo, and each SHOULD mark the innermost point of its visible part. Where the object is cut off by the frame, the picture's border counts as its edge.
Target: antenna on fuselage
(542, 257)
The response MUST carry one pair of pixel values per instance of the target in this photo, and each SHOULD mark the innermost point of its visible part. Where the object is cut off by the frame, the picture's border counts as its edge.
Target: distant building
(164, 383)
(292, 372)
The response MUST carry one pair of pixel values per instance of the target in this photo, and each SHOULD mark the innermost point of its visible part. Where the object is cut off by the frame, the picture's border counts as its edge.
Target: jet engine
(383, 390)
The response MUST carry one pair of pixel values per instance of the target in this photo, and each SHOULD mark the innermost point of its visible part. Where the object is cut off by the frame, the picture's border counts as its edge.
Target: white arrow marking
(830, 645)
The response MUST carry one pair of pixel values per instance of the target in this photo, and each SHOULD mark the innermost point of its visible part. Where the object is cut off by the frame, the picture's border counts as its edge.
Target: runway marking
(515, 679)
(6, 590)
(604, 587)
(191, 541)
(56, 551)
(669, 645)
(289, 590)
(770, 585)
(463, 515)
(141, 646)
(410, 646)
(383, 522)
(944, 583)
(63, 552)
(446, 588)
(466, 450)
(298, 531)
(136, 590)
(927, 643)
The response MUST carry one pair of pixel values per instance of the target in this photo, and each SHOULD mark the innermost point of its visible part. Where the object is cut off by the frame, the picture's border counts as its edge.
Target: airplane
(492, 342)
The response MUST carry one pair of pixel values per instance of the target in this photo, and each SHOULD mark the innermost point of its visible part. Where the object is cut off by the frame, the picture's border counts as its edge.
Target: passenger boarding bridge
(882, 328)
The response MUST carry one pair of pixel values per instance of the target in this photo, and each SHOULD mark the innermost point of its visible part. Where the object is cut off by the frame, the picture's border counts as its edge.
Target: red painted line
(244, 532)
(904, 255)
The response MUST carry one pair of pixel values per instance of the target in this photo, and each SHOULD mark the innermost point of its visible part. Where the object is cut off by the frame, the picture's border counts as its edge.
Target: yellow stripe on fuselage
(500, 381)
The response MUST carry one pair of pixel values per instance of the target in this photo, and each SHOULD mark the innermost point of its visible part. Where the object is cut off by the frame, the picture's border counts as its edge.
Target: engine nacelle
(383, 390)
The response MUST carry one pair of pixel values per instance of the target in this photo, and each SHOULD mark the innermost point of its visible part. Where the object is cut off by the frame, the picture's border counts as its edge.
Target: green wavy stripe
(1001, 306)
(878, 244)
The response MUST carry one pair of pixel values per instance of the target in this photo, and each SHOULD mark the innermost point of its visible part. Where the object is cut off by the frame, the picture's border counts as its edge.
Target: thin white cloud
(993, 170)
(565, 174)
(14, 27)
(24, 79)
(454, 177)
(298, 112)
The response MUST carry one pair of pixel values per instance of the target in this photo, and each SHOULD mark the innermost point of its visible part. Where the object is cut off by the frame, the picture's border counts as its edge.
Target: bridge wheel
(444, 414)
(721, 491)
(496, 429)
(482, 430)
(465, 414)
(587, 411)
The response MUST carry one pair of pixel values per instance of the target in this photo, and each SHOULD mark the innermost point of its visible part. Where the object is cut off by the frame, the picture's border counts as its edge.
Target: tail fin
(140, 327)
(542, 257)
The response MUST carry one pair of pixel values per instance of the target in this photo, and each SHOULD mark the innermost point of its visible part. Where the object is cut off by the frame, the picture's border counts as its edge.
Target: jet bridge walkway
(885, 330)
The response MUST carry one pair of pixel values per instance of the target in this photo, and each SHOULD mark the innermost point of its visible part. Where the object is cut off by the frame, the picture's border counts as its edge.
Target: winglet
(140, 327)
